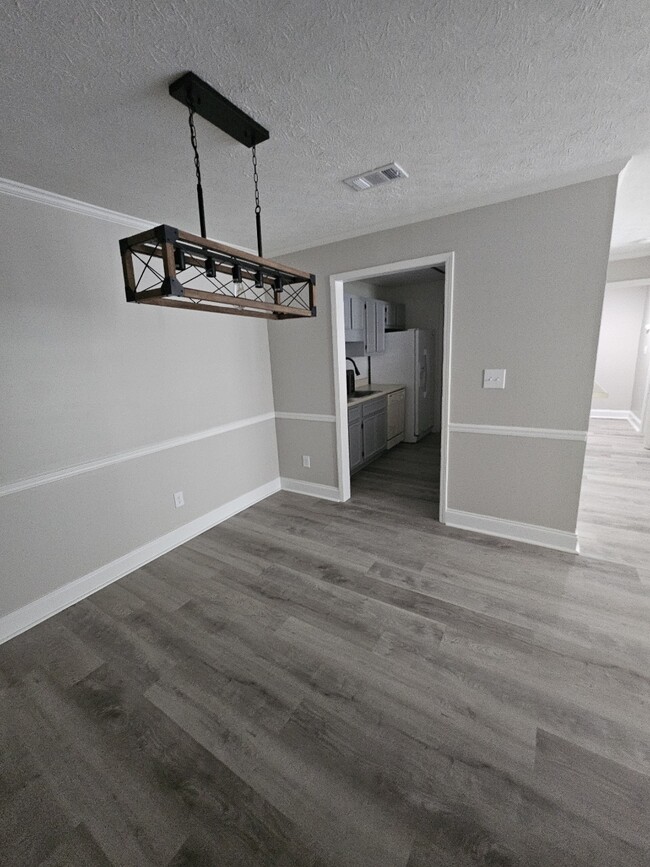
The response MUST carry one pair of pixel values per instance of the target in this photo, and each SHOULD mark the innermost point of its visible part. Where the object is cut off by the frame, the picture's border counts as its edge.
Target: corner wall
(529, 282)
(110, 408)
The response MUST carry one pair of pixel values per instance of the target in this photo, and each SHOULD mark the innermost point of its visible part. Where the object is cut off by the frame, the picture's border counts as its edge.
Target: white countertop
(377, 391)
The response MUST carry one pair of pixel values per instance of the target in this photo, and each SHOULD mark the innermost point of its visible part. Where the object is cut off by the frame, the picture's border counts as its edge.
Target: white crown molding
(306, 416)
(121, 457)
(54, 200)
(35, 612)
(311, 489)
(531, 534)
(65, 203)
(509, 431)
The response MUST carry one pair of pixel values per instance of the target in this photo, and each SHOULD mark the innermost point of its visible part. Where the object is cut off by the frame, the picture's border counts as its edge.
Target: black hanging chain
(256, 179)
(258, 209)
(197, 166)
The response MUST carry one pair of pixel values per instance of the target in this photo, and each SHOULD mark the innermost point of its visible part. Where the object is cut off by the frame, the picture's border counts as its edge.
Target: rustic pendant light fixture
(172, 268)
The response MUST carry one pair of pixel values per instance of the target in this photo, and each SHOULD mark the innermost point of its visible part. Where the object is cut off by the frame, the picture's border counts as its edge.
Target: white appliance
(409, 359)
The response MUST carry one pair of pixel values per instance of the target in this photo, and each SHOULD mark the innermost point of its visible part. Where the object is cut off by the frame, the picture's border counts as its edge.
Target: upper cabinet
(355, 319)
(366, 322)
(395, 317)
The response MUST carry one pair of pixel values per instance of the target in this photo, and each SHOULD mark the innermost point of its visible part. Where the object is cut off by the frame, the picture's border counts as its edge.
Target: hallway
(614, 517)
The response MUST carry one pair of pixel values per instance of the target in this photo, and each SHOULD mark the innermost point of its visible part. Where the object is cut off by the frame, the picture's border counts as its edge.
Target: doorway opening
(391, 328)
(616, 476)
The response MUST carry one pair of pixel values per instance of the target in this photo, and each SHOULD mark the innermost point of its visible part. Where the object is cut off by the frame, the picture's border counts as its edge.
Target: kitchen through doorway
(391, 346)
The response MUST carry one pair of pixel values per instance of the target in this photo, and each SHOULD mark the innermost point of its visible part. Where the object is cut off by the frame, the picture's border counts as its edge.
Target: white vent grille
(376, 177)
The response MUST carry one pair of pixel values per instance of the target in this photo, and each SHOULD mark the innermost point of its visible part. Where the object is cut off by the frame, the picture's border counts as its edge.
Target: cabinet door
(395, 316)
(380, 326)
(374, 434)
(347, 314)
(395, 414)
(370, 339)
(357, 318)
(355, 442)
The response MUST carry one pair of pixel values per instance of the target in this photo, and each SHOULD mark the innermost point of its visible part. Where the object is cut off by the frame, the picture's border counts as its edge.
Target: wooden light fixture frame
(268, 289)
(291, 292)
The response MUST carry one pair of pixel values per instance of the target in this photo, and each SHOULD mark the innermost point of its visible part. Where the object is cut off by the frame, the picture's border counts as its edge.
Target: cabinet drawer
(355, 413)
(373, 406)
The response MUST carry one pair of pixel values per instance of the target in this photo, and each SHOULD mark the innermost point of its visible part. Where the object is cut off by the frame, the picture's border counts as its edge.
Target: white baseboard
(621, 414)
(311, 489)
(635, 421)
(29, 615)
(532, 534)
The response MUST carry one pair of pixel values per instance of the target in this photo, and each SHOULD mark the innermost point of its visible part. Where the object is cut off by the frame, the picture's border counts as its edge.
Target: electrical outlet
(178, 499)
(306, 461)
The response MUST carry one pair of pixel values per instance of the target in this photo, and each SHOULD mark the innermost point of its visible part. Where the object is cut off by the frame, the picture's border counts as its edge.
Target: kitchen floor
(407, 478)
(313, 683)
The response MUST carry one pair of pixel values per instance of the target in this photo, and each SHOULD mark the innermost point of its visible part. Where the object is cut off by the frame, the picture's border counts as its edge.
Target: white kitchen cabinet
(355, 319)
(374, 321)
(374, 428)
(394, 316)
(366, 432)
(355, 438)
(380, 326)
(395, 418)
(366, 323)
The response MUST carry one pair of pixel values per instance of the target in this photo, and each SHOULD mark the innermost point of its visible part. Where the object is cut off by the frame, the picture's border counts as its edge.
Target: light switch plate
(494, 378)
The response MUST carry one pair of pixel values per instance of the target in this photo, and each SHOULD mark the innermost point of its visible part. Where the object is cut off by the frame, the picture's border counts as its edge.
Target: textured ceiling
(479, 101)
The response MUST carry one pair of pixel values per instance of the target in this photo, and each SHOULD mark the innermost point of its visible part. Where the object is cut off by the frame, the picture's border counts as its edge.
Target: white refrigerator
(409, 359)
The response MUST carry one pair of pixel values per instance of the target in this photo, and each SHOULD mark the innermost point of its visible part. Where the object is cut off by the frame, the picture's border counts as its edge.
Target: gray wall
(618, 346)
(84, 376)
(529, 282)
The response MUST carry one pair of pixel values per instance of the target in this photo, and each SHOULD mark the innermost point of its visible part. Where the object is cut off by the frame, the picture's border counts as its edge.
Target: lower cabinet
(396, 407)
(367, 432)
(355, 438)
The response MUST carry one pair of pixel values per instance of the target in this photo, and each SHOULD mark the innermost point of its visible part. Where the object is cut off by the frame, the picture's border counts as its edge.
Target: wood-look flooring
(313, 683)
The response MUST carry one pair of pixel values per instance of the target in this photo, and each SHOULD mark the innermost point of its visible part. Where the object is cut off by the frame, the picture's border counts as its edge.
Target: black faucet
(356, 369)
(349, 378)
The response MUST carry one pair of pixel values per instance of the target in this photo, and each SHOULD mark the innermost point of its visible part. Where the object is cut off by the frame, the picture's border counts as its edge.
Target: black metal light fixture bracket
(219, 111)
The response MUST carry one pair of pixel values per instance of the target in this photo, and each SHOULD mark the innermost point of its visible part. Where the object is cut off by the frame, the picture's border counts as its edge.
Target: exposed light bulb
(238, 283)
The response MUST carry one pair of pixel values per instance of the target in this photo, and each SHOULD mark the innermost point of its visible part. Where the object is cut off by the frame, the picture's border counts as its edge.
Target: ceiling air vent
(376, 177)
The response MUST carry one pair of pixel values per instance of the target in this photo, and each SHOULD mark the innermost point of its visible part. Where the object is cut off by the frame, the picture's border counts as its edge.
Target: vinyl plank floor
(316, 684)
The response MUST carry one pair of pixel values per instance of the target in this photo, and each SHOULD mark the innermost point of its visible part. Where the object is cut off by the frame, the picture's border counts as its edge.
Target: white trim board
(509, 431)
(305, 416)
(65, 203)
(531, 534)
(619, 414)
(89, 466)
(337, 282)
(35, 612)
(310, 489)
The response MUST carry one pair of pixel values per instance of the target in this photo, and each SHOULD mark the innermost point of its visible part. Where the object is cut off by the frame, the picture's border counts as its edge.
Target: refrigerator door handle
(425, 368)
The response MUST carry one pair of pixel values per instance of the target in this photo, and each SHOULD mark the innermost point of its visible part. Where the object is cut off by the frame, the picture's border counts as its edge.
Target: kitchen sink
(365, 392)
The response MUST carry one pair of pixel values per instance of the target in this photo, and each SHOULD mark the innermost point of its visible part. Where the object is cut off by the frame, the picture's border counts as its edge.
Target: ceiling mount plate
(215, 108)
